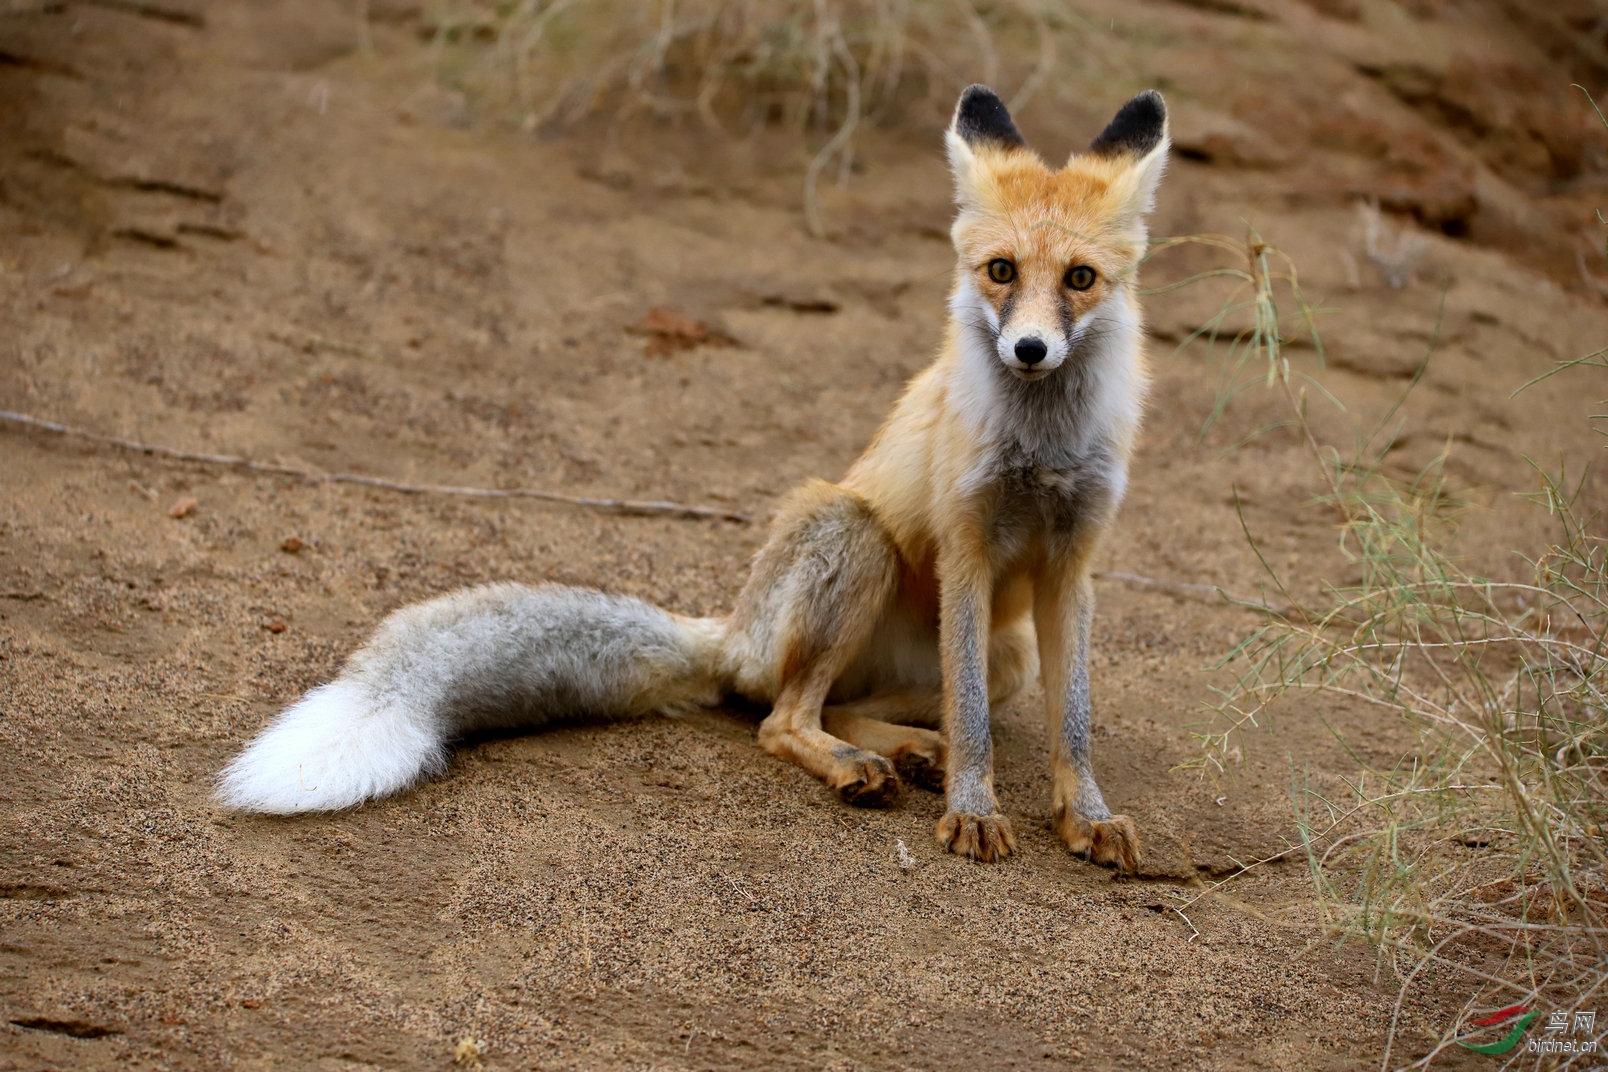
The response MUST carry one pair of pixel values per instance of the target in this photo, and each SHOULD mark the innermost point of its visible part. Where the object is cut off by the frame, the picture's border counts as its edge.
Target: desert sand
(228, 228)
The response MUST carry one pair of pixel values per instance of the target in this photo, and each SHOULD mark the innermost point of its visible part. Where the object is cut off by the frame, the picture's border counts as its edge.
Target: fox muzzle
(1030, 349)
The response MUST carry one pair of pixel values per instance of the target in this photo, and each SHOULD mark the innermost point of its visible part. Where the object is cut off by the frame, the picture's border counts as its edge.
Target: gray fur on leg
(1075, 724)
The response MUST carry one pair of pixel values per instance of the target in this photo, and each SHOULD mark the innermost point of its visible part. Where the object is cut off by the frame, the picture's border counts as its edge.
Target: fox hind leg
(900, 720)
(827, 574)
(877, 723)
(919, 753)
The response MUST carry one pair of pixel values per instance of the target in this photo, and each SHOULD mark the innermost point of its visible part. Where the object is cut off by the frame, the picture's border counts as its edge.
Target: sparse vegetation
(239, 230)
(822, 69)
(1481, 851)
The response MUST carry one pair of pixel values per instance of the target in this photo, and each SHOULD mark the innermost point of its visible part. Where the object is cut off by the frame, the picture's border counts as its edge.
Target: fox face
(1047, 256)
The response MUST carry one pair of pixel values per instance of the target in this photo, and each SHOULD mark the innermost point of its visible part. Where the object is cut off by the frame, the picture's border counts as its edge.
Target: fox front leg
(973, 825)
(1063, 613)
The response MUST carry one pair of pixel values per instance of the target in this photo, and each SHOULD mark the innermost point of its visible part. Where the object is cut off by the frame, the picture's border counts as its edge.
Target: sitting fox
(930, 582)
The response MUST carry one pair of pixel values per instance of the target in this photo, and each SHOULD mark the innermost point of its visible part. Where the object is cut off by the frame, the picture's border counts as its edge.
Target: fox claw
(1113, 841)
(921, 771)
(985, 838)
(875, 785)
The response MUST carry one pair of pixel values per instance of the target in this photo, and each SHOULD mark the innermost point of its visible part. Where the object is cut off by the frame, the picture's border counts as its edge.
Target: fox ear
(981, 123)
(982, 120)
(1137, 135)
(1138, 128)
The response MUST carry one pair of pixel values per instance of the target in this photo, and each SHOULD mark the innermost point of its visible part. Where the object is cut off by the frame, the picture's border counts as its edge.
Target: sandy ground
(223, 228)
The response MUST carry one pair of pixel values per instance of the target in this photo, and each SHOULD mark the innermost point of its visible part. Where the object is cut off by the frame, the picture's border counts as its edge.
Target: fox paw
(920, 769)
(985, 838)
(871, 783)
(1113, 841)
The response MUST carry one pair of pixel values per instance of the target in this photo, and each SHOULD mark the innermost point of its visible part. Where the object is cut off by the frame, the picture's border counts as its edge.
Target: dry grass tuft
(823, 69)
(1482, 853)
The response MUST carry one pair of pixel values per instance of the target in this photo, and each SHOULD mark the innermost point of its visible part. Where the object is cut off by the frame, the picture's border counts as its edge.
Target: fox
(885, 615)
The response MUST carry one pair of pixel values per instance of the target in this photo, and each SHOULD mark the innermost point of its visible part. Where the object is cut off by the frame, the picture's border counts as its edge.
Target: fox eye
(1001, 270)
(1080, 277)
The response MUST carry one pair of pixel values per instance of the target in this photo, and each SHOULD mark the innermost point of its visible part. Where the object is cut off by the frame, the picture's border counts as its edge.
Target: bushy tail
(501, 656)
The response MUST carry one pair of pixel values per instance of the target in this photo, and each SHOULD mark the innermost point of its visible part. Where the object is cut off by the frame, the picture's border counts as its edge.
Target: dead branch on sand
(632, 507)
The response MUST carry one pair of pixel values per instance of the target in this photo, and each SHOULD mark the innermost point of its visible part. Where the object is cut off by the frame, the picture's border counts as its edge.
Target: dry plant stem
(840, 140)
(985, 42)
(1245, 868)
(650, 508)
(1486, 842)
(527, 44)
(633, 507)
(1190, 588)
(1267, 326)
(831, 66)
(1041, 70)
(365, 33)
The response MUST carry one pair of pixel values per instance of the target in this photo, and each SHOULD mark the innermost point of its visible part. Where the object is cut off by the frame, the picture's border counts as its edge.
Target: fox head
(1048, 256)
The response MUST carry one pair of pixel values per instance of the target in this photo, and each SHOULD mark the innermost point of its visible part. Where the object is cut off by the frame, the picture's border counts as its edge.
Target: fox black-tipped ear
(1138, 128)
(1132, 155)
(981, 119)
(981, 122)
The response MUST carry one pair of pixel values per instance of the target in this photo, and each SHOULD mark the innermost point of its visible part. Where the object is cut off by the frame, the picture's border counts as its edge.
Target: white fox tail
(500, 656)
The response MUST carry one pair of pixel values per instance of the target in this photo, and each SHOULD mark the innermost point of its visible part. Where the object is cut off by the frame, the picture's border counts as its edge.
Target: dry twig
(632, 507)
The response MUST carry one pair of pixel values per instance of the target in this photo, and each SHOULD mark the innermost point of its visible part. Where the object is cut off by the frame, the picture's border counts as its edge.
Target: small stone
(467, 1053)
(183, 507)
(291, 545)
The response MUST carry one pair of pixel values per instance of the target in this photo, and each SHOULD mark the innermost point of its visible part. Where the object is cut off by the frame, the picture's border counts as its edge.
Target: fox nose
(1031, 351)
